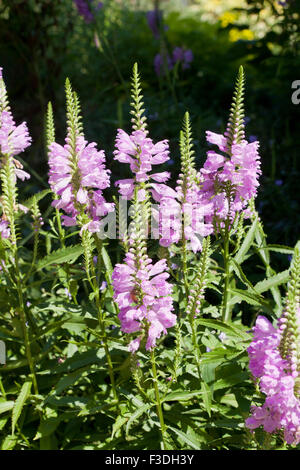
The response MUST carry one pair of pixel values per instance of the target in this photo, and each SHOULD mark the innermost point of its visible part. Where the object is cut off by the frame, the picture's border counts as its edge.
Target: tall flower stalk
(234, 135)
(181, 212)
(141, 289)
(229, 182)
(13, 141)
(275, 364)
(50, 138)
(143, 296)
(77, 177)
(196, 296)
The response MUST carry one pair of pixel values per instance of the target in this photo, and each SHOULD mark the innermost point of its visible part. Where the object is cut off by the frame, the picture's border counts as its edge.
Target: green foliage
(19, 404)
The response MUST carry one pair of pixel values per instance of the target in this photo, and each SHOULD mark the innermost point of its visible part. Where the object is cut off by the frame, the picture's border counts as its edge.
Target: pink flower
(277, 380)
(229, 182)
(217, 139)
(182, 212)
(4, 228)
(13, 139)
(141, 154)
(144, 298)
(79, 190)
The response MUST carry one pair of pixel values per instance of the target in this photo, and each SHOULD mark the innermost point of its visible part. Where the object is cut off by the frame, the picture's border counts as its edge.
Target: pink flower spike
(141, 153)
(79, 186)
(276, 375)
(142, 297)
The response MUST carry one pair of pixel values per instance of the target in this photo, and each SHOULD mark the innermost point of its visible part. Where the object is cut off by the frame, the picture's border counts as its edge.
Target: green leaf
(247, 242)
(133, 398)
(65, 323)
(3, 422)
(77, 403)
(19, 403)
(68, 380)
(91, 409)
(63, 255)
(106, 261)
(46, 443)
(286, 250)
(6, 406)
(116, 345)
(273, 281)
(231, 380)
(230, 329)
(261, 241)
(118, 424)
(9, 443)
(181, 396)
(207, 396)
(241, 275)
(138, 412)
(79, 360)
(22, 363)
(250, 298)
(217, 355)
(37, 197)
(47, 427)
(191, 441)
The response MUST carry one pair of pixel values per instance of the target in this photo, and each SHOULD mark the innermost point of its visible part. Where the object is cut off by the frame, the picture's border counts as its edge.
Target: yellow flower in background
(236, 34)
(228, 18)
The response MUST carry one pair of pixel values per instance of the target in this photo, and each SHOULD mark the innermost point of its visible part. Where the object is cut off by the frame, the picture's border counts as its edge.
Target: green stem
(184, 265)
(195, 344)
(2, 389)
(158, 401)
(10, 191)
(226, 311)
(101, 320)
(34, 256)
(24, 326)
(60, 229)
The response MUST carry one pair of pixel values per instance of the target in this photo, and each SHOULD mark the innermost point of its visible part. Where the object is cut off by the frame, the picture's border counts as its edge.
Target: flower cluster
(229, 182)
(179, 55)
(80, 188)
(84, 9)
(182, 212)
(144, 298)
(13, 139)
(154, 19)
(278, 380)
(141, 153)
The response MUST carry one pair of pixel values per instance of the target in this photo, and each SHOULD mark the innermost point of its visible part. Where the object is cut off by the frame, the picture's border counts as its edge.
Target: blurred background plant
(188, 52)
